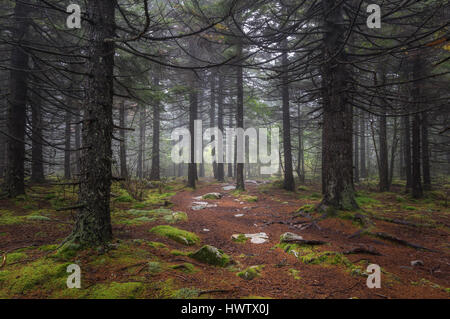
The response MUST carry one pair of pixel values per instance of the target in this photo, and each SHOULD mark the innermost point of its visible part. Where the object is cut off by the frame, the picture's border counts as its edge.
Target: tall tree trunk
(383, 160)
(2, 142)
(362, 158)
(407, 150)
(289, 183)
(240, 113)
(16, 111)
(301, 159)
(425, 153)
(77, 141)
(93, 222)
(141, 146)
(220, 111)
(123, 141)
(37, 158)
(212, 116)
(417, 191)
(67, 144)
(356, 142)
(337, 159)
(230, 124)
(193, 110)
(155, 172)
(393, 151)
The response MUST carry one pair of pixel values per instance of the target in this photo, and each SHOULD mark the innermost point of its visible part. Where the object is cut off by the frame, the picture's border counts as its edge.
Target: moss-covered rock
(178, 235)
(118, 290)
(251, 272)
(211, 255)
(185, 267)
(212, 196)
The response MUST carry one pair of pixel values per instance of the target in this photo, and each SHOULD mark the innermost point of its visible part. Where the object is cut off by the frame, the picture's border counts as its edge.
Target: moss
(211, 255)
(178, 235)
(362, 200)
(156, 199)
(308, 208)
(155, 244)
(315, 196)
(211, 196)
(400, 199)
(185, 267)
(295, 273)
(248, 198)
(116, 290)
(186, 293)
(241, 238)
(177, 252)
(154, 267)
(44, 275)
(124, 197)
(67, 252)
(251, 272)
(15, 257)
(8, 218)
(409, 207)
(38, 218)
(176, 217)
(302, 188)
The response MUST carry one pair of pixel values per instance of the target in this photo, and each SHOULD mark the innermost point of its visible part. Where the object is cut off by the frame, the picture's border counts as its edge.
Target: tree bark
(67, 145)
(362, 158)
(16, 111)
(337, 159)
(155, 172)
(240, 112)
(37, 158)
(425, 153)
(289, 183)
(93, 222)
(193, 110)
(123, 142)
(220, 110)
(141, 146)
(417, 191)
(407, 150)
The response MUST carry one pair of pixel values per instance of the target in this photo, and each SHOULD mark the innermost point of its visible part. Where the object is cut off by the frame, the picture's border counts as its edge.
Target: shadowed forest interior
(115, 152)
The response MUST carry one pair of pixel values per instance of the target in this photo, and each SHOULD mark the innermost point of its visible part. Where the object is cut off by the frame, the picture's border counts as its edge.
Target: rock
(289, 237)
(212, 196)
(258, 240)
(297, 239)
(415, 263)
(250, 181)
(229, 188)
(201, 205)
(211, 255)
(238, 215)
(205, 229)
(250, 273)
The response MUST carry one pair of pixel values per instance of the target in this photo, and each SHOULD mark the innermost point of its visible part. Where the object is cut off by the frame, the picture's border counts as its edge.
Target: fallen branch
(399, 241)
(304, 242)
(363, 250)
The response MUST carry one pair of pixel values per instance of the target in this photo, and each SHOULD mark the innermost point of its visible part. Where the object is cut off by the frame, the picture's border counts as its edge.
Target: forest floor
(148, 262)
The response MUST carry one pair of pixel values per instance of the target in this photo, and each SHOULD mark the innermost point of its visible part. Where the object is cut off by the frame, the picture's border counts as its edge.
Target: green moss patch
(251, 272)
(178, 235)
(211, 255)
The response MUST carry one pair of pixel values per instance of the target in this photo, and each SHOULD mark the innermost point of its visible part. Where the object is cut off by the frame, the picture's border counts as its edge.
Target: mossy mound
(118, 290)
(164, 214)
(178, 235)
(251, 272)
(211, 255)
(239, 238)
(212, 196)
(185, 267)
(248, 198)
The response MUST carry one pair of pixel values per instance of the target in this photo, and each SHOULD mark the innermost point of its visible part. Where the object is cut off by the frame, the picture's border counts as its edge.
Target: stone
(290, 237)
(212, 196)
(238, 215)
(415, 263)
(211, 255)
(201, 205)
(229, 188)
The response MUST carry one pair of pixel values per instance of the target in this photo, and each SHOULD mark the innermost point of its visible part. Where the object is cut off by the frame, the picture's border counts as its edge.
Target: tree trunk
(337, 159)
(425, 153)
(301, 160)
(220, 110)
(289, 183)
(417, 191)
(356, 142)
(93, 222)
(37, 158)
(240, 114)
(407, 151)
(141, 146)
(155, 172)
(16, 111)
(77, 141)
(212, 116)
(193, 110)
(67, 145)
(383, 161)
(123, 141)
(362, 127)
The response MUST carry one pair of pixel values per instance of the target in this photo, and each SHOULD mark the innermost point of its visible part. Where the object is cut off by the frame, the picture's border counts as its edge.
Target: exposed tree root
(363, 249)
(399, 241)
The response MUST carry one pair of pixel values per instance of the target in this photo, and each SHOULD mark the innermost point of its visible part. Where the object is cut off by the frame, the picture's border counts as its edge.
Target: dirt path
(315, 281)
